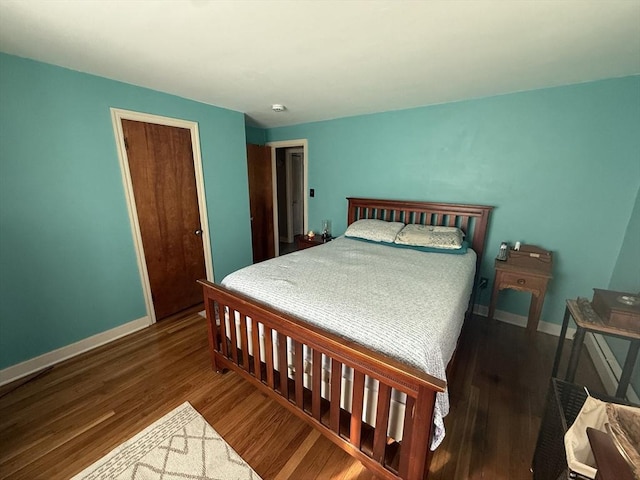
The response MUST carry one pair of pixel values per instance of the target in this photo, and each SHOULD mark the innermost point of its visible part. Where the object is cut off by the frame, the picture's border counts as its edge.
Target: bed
(355, 358)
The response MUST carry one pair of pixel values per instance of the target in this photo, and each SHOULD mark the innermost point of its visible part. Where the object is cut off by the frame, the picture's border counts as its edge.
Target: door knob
(198, 232)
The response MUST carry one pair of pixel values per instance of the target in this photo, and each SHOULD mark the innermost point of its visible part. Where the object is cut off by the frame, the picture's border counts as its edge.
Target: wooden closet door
(164, 187)
(261, 202)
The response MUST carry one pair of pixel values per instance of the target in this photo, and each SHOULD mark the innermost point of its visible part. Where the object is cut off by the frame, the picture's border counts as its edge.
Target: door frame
(300, 143)
(117, 115)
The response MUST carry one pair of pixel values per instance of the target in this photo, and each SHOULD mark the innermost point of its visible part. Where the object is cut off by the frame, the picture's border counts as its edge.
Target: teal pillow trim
(455, 251)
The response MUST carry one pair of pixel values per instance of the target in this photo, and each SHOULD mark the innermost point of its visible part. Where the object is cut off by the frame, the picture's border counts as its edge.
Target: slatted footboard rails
(407, 459)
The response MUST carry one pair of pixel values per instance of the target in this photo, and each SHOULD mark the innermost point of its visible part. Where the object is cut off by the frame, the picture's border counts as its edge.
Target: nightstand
(305, 241)
(527, 270)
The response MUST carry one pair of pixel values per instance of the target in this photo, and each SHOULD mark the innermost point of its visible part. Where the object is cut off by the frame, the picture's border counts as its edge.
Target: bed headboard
(473, 220)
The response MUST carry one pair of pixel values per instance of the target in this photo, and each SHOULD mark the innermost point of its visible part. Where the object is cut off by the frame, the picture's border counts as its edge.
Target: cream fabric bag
(579, 456)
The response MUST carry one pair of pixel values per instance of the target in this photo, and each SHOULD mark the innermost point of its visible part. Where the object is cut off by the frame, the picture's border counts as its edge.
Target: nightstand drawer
(520, 281)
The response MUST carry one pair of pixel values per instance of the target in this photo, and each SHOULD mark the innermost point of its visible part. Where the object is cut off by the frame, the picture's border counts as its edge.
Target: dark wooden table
(591, 322)
(304, 241)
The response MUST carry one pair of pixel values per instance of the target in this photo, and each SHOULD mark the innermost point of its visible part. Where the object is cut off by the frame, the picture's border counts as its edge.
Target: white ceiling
(329, 59)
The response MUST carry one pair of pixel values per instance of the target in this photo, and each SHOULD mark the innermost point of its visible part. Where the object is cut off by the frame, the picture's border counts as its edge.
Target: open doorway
(290, 184)
(290, 196)
(277, 197)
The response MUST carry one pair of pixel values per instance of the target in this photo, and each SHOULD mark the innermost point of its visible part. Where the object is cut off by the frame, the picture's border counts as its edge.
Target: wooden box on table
(617, 309)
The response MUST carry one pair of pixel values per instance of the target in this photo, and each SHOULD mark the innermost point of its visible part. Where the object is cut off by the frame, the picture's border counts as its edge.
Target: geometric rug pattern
(179, 446)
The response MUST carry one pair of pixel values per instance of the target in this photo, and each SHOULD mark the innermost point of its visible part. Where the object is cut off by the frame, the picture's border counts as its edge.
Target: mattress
(350, 287)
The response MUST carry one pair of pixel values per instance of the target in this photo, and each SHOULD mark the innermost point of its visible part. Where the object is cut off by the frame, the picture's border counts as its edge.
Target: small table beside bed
(363, 355)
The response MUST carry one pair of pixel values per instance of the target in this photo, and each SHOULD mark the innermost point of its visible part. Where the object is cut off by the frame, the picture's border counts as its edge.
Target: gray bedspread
(404, 303)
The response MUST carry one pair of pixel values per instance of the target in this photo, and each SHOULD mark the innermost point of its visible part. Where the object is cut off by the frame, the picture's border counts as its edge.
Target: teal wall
(256, 135)
(561, 166)
(67, 262)
(626, 274)
(626, 278)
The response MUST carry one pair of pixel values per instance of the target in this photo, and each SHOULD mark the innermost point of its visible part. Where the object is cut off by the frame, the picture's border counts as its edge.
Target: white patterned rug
(181, 445)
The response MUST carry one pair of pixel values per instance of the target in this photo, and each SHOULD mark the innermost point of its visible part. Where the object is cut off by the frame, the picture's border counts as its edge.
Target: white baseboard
(36, 364)
(607, 366)
(521, 321)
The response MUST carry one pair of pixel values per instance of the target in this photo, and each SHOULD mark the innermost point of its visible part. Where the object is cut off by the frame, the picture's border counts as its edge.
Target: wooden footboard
(407, 459)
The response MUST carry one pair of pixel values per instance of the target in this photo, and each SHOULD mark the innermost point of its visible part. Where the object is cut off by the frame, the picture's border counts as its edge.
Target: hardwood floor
(66, 418)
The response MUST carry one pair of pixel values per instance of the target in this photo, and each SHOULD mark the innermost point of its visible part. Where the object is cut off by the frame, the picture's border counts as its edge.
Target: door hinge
(126, 143)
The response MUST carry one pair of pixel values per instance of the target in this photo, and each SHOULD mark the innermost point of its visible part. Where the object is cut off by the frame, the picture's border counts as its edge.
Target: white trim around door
(117, 115)
(302, 143)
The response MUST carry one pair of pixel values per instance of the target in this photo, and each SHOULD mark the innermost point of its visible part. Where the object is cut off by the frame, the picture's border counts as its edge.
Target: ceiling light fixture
(277, 107)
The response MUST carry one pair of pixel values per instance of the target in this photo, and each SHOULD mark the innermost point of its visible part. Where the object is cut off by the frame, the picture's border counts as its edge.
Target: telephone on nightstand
(503, 253)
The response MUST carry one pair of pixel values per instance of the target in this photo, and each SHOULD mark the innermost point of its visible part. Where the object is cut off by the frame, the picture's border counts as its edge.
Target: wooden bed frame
(408, 459)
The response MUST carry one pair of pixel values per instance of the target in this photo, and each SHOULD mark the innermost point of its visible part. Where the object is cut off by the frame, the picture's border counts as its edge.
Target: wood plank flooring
(66, 418)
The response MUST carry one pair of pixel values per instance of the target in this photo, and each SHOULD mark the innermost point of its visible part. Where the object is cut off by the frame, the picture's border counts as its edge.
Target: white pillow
(431, 236)
(374, 230)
